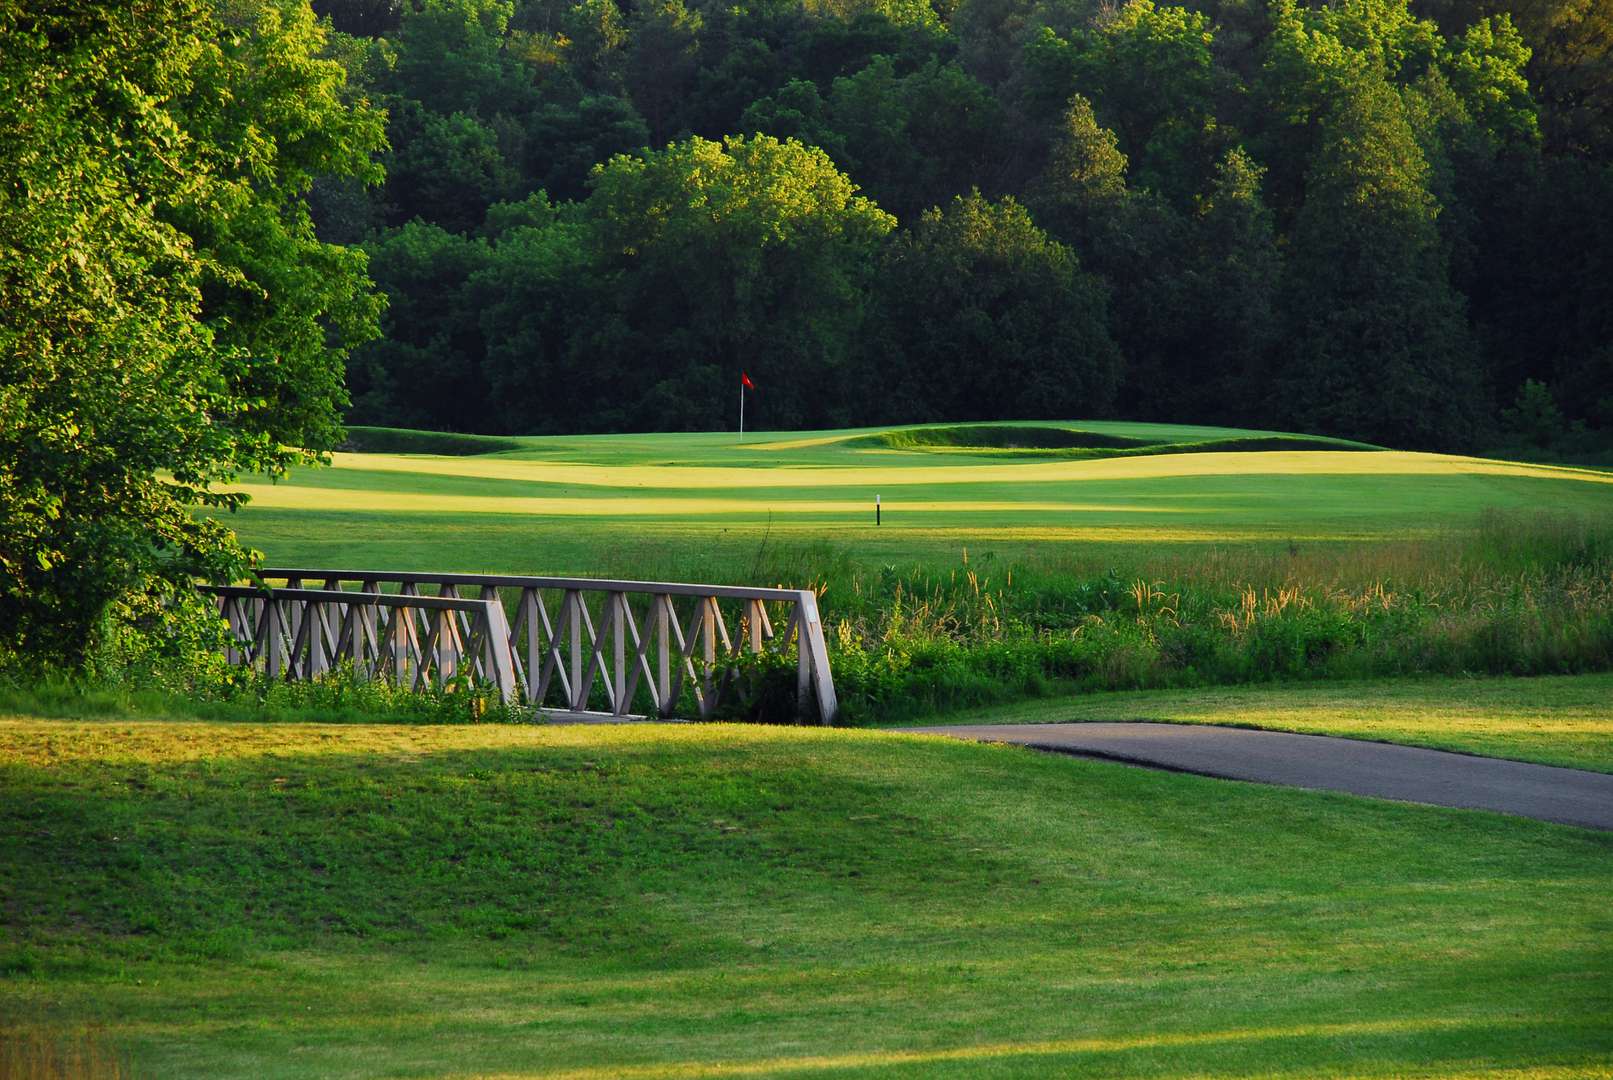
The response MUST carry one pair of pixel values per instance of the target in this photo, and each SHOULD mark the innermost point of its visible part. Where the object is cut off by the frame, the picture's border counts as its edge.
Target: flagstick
(741, 412)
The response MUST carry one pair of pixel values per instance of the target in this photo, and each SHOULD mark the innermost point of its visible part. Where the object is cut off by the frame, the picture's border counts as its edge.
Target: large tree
(1149, 71)
(1133, 239)
(1230, 290)
(1377, 345)
(170, 319)
(911, 141)
(983, 317)
(1570, 62)
(746, 254)
(426, 370)
(532, 296)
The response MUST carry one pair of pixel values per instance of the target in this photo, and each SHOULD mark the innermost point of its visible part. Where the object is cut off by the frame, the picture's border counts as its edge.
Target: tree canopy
(985, 315)
(750, 253)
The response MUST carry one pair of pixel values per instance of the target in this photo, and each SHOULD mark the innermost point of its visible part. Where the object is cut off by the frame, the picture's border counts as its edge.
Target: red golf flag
(744, 380)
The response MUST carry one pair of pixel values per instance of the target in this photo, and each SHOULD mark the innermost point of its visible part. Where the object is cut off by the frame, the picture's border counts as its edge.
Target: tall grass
(31, 1054)
(1515, 595)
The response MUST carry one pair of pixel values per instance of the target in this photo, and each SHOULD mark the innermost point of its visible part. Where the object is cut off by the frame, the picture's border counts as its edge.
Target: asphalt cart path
(1383, 770)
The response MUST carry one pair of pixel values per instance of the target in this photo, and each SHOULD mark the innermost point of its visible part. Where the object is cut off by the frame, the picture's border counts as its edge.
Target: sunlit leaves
(170, 320)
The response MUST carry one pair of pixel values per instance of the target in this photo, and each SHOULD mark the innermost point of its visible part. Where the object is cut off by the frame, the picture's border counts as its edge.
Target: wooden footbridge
(581, 646)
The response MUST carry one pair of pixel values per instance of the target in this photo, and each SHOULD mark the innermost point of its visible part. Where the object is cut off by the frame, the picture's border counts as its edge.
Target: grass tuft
(31, 1053)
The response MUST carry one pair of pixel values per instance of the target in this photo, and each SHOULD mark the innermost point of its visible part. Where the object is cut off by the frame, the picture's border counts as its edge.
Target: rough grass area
(1564, 720)
(296, 900)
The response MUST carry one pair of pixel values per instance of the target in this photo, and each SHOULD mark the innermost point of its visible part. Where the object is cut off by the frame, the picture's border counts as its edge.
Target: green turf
(687, 504)
(302, 900)
(1554, 720)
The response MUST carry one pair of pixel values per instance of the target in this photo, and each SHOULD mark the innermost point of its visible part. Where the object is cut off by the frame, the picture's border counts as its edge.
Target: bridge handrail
(303, 633)
(347, 596)
(527, 581)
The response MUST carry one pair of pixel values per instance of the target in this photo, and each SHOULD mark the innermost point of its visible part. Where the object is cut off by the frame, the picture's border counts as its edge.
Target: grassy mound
(292, 900)
(998, 436)
(380, 440)
(1080, 443)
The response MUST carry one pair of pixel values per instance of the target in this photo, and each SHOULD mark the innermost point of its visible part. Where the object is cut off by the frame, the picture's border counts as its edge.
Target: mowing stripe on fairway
(947, 471)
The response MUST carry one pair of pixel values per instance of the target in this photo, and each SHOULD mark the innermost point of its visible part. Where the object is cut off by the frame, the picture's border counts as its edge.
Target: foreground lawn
(658, 901)
(1555, 720)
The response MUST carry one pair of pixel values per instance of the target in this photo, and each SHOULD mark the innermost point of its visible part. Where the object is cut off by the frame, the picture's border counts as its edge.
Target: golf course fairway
(633, 504)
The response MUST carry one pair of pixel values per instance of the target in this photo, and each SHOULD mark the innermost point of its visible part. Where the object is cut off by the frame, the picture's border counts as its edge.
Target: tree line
(1369, 218)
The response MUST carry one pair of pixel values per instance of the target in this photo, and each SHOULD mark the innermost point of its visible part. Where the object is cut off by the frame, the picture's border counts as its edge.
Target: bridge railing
(414, 641)
(581, 645)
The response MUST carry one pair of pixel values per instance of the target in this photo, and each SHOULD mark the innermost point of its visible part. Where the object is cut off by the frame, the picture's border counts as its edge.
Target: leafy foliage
(1001, 320)
(682, 267)
(1366, 239)
(749, 253)
(171, 319)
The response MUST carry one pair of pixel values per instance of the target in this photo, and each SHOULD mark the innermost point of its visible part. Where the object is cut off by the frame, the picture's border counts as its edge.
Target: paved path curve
(1408, 773)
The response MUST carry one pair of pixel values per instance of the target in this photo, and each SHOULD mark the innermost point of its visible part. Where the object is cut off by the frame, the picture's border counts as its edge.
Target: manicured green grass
(692, 503)
(1554, 720)
(296, 900)
(245, 899)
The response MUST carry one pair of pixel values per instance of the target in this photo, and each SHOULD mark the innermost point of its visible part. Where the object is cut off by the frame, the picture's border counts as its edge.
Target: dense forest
(1364, 219)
